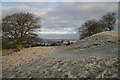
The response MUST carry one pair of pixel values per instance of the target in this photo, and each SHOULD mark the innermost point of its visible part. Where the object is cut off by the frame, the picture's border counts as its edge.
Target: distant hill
(47, 40)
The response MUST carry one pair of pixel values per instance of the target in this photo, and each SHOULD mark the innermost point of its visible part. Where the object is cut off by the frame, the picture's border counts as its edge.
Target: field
(93, 57)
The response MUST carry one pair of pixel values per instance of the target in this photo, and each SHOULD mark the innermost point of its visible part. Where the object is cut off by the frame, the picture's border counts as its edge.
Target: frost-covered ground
(92, 57)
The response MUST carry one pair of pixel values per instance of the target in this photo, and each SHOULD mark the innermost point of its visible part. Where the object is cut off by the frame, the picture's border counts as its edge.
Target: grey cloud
(64, 17)
(75, 14)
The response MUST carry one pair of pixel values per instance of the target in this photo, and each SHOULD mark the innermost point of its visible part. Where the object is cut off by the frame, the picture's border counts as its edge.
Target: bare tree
(108, 21)
(90, 27)
(18, 26)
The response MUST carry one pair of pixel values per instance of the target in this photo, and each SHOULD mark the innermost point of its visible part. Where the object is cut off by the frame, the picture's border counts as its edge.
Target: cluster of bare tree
(20, 27)
(106, 23)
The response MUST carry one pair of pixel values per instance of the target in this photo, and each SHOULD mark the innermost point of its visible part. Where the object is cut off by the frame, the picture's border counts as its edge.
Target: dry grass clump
(111, 62)
(7, 52)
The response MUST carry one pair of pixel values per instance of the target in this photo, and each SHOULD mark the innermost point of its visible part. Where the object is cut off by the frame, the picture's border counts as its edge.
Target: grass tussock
(7, 52)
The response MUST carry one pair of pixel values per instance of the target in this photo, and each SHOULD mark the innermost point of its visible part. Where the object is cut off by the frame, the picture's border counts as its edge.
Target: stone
(59, 70)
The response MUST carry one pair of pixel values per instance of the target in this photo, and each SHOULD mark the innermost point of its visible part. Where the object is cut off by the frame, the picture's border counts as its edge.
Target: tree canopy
(90, 27)
(108, 21)
(19, 25)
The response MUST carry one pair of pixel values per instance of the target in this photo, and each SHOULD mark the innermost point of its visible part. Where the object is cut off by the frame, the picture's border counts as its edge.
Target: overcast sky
(60, 19)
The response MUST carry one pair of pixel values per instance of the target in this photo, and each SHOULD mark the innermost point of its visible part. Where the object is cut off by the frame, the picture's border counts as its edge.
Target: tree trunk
(19, 46)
